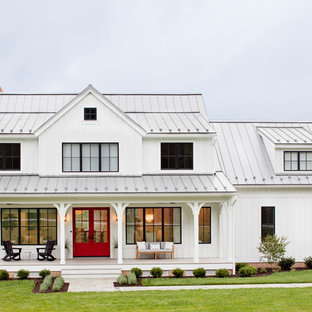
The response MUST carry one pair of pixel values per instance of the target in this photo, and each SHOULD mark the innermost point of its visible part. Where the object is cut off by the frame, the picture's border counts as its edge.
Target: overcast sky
(250, 59)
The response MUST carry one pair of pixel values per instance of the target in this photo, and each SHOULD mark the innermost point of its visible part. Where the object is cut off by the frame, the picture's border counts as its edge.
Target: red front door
(91, 232)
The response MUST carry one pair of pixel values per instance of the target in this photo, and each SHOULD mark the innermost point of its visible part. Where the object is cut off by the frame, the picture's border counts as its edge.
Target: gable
(100, 99)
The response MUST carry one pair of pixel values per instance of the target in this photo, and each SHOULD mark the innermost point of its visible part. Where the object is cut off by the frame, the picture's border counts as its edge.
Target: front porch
(102, 267)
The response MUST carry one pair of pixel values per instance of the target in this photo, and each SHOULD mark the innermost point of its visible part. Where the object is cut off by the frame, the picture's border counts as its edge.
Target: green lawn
(17, 296)
(280, 277)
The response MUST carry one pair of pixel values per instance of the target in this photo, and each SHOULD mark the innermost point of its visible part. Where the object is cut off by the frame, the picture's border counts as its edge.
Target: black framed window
(28, 226)
(90, 157)
(10, 156)
(90, 113)
(204, 226)
(267, 221)
(297, 161)
(153, 225)
(176, 156)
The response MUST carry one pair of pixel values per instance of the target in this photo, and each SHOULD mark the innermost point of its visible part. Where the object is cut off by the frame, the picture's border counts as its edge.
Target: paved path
(78, 285)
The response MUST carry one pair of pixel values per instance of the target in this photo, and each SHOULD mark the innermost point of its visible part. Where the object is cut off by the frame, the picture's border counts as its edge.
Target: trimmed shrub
(4, 275)
(58, 283)
(46, 284)
(273, 248)
(263, 270)
(22, 274)
(308, 262)
(239, 265)
(286, 263)
(44, 273)
(247, 271)
(132, 279)
(138, 272)
(156, 272)
(222, 273)
(278, 269)
(122, 279)
(200, 272)
(177, 272)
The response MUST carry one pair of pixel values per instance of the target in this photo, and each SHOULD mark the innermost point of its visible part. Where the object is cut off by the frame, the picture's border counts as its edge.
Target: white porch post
(196, 209)
(231, 232)
(120, 208)
(62, 209)
(223, 230)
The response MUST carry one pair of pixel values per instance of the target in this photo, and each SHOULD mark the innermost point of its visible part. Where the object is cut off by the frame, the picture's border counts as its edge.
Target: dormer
(289, 149)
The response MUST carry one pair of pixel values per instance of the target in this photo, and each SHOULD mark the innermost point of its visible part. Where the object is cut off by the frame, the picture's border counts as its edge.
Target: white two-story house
(95, 171)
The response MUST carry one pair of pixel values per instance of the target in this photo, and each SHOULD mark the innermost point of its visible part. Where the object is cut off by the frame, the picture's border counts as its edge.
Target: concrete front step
(91, 273)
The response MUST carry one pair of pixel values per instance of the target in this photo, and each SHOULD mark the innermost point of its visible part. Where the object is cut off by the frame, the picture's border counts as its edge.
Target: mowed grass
(17, 296)
(275, 278)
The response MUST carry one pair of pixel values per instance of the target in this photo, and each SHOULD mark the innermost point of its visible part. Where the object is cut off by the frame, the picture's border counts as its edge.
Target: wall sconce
(116, 217)
(65, 218)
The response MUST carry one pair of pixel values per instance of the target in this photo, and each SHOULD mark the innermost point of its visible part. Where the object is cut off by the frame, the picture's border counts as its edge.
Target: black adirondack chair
(10, 252)
(47, 253)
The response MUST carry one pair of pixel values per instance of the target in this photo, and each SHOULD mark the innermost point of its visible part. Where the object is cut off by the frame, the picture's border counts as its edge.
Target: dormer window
(90, 113)
(298, 161)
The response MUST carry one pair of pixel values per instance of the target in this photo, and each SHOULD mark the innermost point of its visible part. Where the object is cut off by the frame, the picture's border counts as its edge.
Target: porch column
(62, 209)
(120, 208)
(223, 230)
(231, 232)
(196, 209)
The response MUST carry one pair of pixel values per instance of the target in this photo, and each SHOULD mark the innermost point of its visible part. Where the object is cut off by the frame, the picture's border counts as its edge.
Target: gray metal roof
(24, 113)
(242, 155)
(286, 135)
(34, 184)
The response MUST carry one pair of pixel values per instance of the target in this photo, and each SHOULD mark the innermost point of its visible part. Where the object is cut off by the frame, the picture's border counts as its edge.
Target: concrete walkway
(78, 285)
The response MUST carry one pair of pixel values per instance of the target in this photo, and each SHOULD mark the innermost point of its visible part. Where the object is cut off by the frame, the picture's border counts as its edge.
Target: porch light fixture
(65, 218)
(149, 218)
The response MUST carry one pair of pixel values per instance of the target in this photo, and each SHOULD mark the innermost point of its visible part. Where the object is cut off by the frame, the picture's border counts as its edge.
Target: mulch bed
(116, 284)
(39, 281)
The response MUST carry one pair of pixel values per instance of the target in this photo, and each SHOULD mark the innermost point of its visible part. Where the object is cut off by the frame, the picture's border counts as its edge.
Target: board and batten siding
(293, 216)
(107, 128)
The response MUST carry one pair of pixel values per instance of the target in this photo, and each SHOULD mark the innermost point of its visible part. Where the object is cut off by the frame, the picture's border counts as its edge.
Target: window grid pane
(267, 221)
(10, 156)
(176, 156)
(153, 225)
(29, 226)
(90, 157)
(297, 161)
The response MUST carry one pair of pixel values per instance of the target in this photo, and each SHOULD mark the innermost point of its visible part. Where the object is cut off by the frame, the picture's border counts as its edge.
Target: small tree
(273, 248)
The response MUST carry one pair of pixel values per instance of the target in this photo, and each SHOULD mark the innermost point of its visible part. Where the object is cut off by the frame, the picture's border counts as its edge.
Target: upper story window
(90, 157)
(90, 113)
(10, 156)
(297, 161)
(176, 156)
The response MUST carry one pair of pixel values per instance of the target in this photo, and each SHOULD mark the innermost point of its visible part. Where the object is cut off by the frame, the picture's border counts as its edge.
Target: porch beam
(120, 208)
(231, 231)
(62, 209)
(196, 206)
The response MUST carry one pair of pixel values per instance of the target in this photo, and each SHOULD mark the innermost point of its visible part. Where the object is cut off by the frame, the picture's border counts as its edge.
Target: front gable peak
(104, 100)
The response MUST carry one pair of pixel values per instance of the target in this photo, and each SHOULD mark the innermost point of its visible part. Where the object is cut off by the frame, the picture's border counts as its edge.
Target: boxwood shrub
(177, 272)
(138, 272)
(4, 275)
(286, 263)
(200, 272)
(308, 262)
(247, 271)
(22, 274)
(239, 265)
(44, 273)
(222, 273)
(156, 272)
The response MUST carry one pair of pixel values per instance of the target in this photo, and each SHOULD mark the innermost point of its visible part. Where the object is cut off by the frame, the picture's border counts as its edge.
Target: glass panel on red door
(82, 226)
(100, 226)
